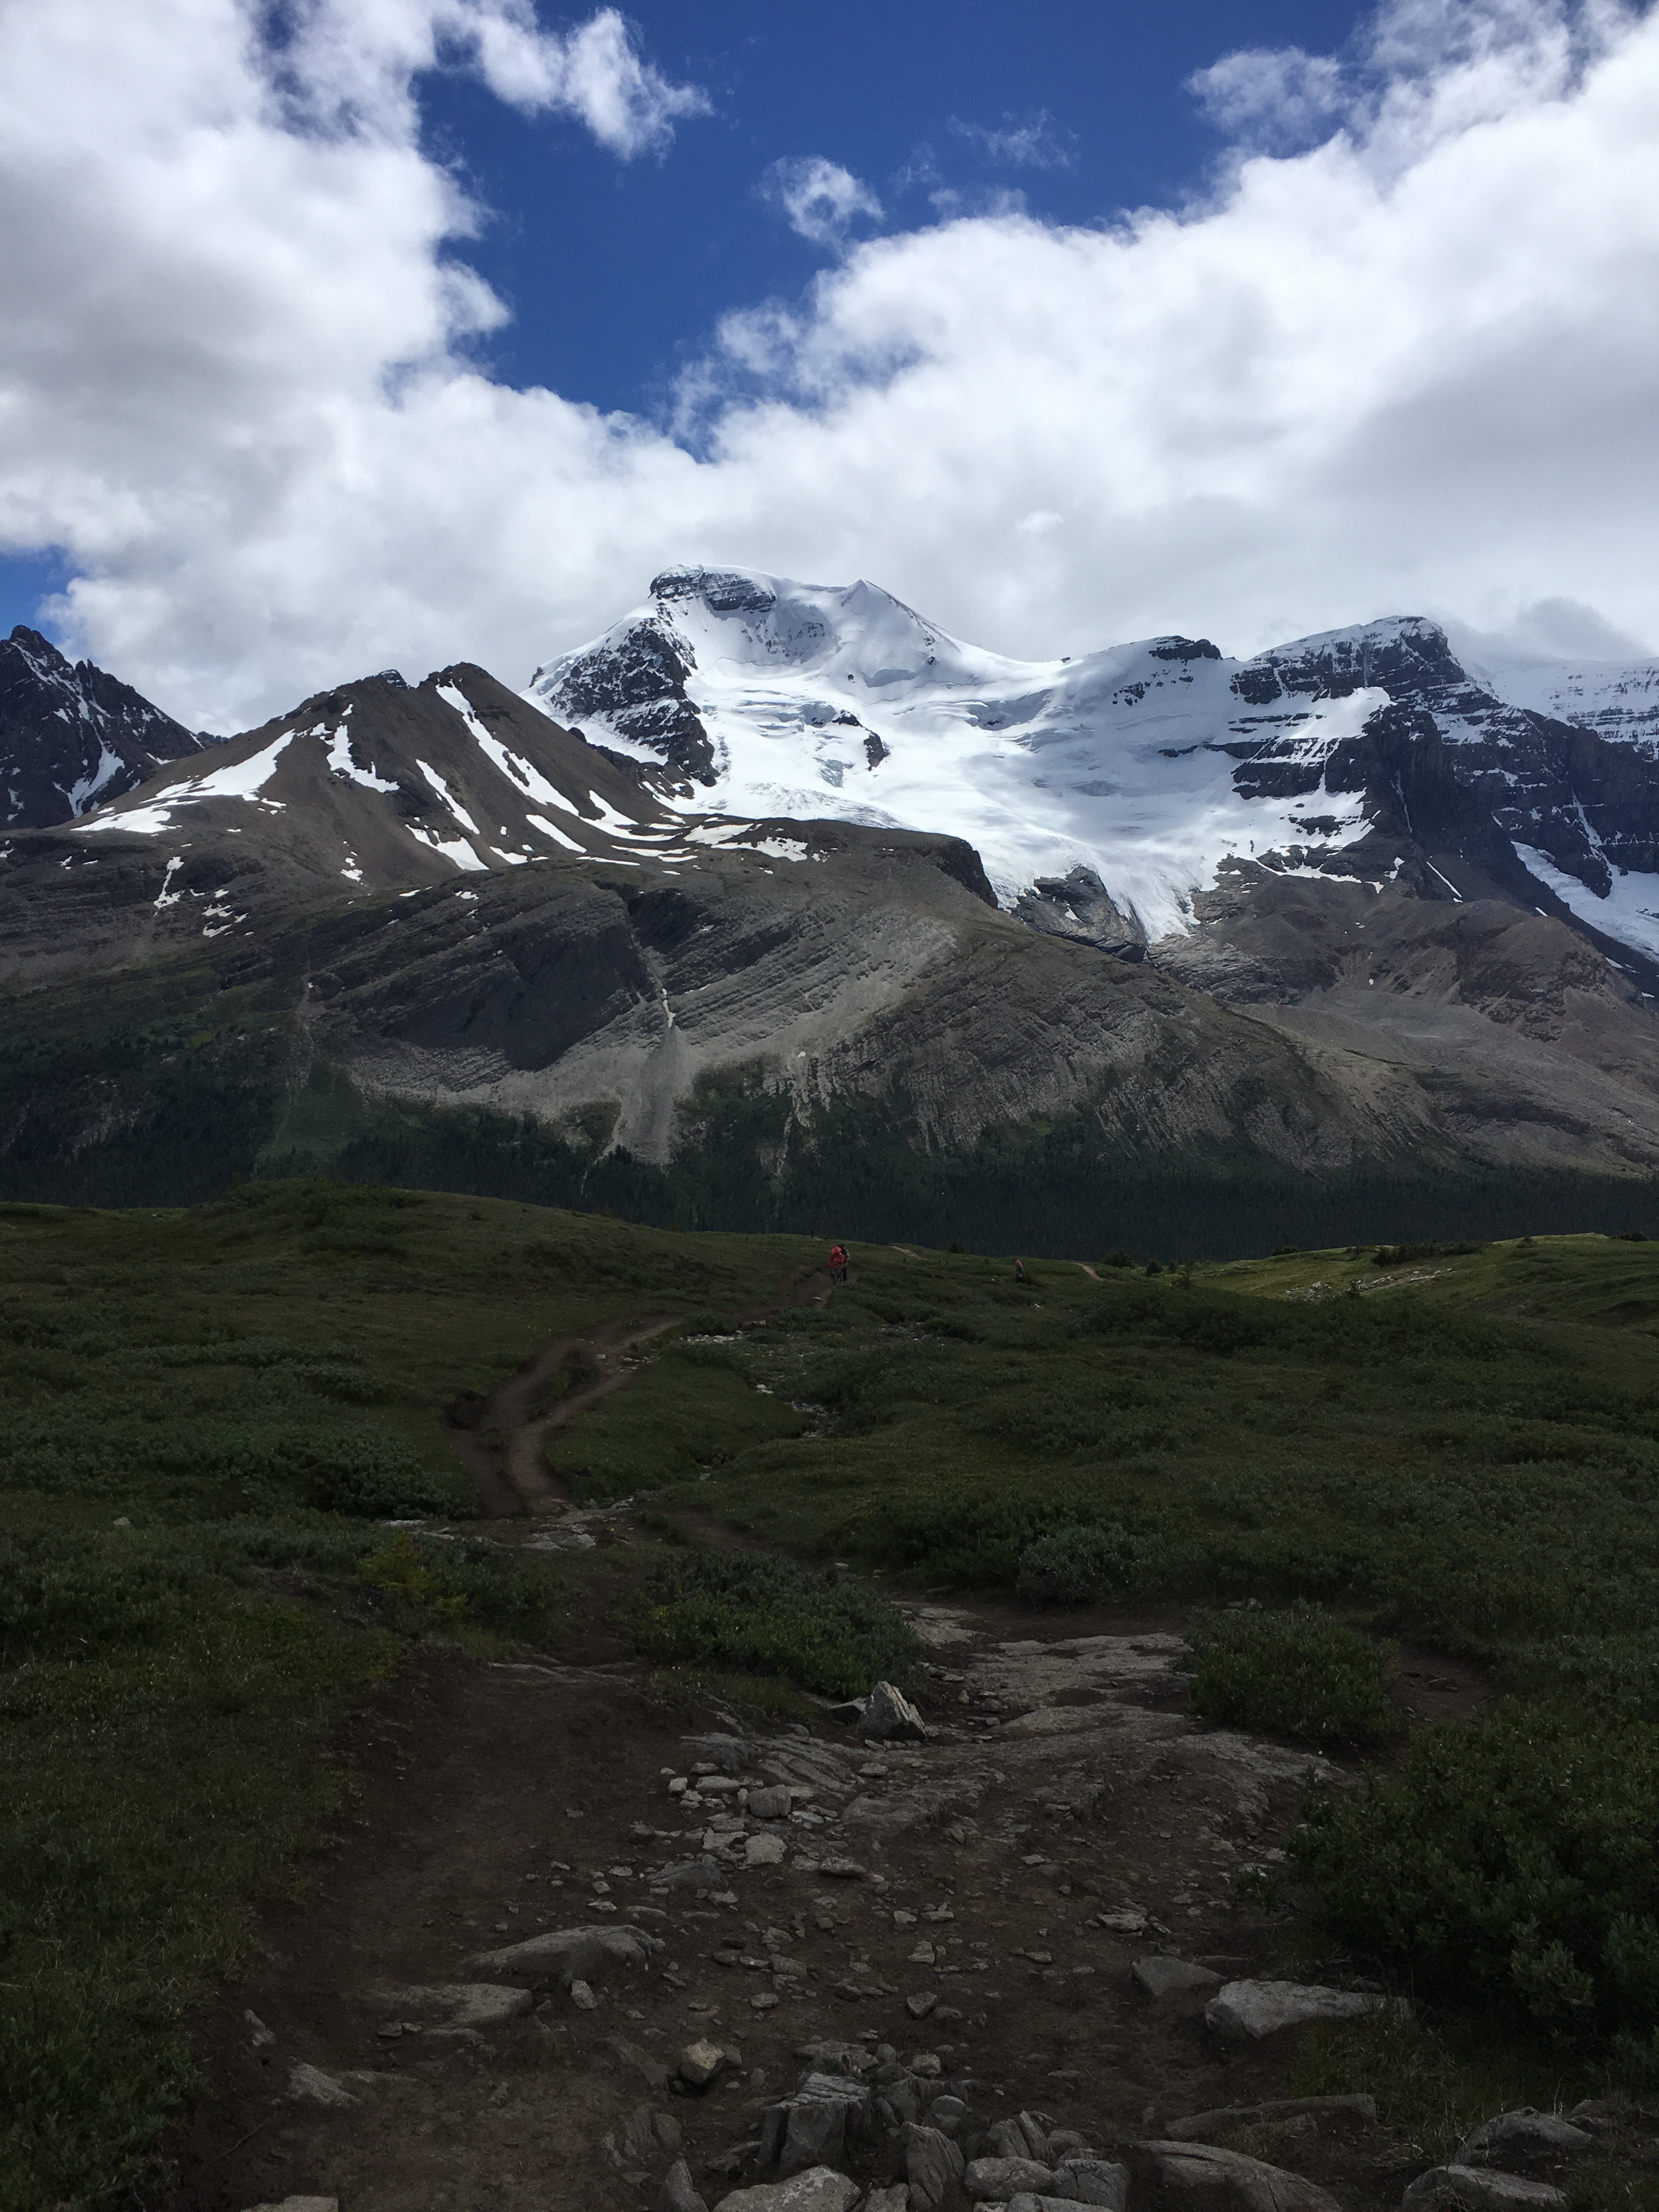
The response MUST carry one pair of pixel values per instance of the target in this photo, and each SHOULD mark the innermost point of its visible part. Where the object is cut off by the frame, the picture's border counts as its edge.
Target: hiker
(838, 1263)
(1020, 1271)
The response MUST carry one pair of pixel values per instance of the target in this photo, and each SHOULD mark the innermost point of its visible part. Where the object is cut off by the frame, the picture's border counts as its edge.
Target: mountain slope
(1137, 779)
(73, 737)
(425, 932)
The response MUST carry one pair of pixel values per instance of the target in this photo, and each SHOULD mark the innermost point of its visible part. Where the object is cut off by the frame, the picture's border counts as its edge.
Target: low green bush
(1509, 1866)
(1295, 1673)
(767, 1616)
(1083, 1565)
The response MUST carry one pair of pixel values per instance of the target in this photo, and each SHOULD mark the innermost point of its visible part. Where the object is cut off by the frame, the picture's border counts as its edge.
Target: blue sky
(616, 274)
(435, 330)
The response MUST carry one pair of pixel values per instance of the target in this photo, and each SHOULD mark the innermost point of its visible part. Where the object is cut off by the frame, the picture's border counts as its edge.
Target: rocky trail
(570, 1952)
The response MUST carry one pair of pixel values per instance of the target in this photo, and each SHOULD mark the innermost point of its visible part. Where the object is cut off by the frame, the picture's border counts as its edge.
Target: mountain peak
(72, 736)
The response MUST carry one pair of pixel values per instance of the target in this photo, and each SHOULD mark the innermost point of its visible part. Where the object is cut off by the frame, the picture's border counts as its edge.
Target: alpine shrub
(1511, 1866)
(1080, 1566)
(767, 1616)
(1294, 1673)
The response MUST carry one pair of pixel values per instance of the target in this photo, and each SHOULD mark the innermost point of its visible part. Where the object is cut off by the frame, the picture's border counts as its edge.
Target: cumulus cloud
(1284, 94)
(349, 67)
(1410, 366)
(1036, 143)
(819, 199)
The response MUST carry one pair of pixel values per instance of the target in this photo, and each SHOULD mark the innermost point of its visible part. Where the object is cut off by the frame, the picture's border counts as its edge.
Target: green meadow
(209, 1416)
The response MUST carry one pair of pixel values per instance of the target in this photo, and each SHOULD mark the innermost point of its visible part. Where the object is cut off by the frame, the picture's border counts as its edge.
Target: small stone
(258, 2034)
(921, 2003)
(678, 1786)
(309, 2085)
(582, 1996)
(1520, 2138)
(820, 2188)
(841, 1869)
(904, 1920)
(1129, 1920)
(994, 2180)
(678, 2192)
(763, 1851)
(1478, 2189)
(1168, 1977)
(928, 2065)
(764, 2001)
(1247, 2012)
(890, 1718)
(699, 2062)
(651, 2070)
(770, 1804)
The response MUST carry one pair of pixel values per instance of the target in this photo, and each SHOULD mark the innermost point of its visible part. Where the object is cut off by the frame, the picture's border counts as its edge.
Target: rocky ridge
(72, 736)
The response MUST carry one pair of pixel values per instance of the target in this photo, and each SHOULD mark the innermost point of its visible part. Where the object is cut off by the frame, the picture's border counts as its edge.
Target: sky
(343, 334)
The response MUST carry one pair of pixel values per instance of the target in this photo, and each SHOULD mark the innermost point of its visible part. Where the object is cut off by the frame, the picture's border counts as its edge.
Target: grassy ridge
(1461, 1453)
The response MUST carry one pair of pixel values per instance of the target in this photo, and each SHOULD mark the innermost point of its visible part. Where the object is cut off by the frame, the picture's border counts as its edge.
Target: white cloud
(346, 64)
(1034, 143)
(1410, 366)
(819, 199)
(1285, 95)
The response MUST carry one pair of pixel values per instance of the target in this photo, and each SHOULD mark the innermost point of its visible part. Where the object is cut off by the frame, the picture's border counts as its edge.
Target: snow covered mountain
(1108, 794)
(72, 736)
(431, 932)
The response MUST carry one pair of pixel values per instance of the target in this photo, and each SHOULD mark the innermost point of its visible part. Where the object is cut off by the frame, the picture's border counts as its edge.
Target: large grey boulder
(1478, 2189)
(1520, 2138)
(1092, 2181)
(932, 2167)
(678, 2192)
(890, 1718)
(994, 2180)
(1247, 2012)
(1025, 2202)
(1173, 1977)
(573, 1954)
(820, 2190)
(1185, 2177)
(825, 2113)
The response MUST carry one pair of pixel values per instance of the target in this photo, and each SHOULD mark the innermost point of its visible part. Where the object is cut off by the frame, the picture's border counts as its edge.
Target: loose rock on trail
(570, 1951)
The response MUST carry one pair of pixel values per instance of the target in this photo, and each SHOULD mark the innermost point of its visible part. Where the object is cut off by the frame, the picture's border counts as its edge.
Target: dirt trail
(502, 1440)
(980, 1898)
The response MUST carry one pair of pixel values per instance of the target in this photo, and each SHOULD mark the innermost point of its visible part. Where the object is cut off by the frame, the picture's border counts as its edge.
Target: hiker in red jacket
(838, 1263)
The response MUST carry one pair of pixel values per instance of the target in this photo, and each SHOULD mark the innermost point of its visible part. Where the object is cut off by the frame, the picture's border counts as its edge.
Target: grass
(1294, 1674)
(1468, 1450)
(769, 1617)
(208, 1415)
